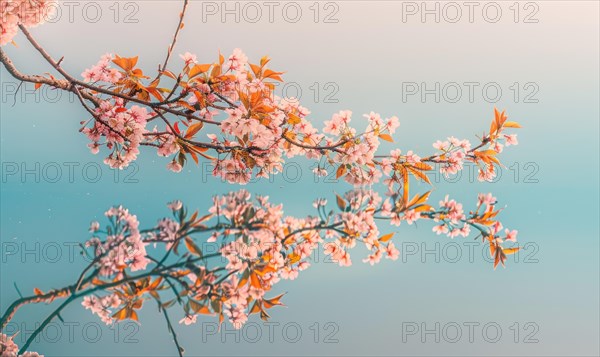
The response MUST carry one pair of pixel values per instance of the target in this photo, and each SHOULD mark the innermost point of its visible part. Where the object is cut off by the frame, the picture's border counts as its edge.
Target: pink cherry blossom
(511, 139)
(486, 199)
(441, 145)
(440, 229)
(188, 320)
(393, 123)
(102, 72)
(237, 60)
(174, 166)
(175, 205)
(391, 251)
(511, 235)
(411, 216)
(94, 226)
(189, 58)
(412, 158)
(26, 12)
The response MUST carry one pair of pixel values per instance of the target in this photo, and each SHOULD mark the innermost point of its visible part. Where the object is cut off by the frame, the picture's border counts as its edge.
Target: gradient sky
(365, 61)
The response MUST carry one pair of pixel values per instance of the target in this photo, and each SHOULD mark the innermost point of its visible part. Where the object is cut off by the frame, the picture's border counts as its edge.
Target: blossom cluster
(102, 71)
(122, 130)
(101, 306)
(123, 246)
(29, 13)
(8, 348)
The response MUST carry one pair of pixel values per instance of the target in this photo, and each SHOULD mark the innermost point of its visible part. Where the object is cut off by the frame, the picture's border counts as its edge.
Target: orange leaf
(204, 155)
(269, 303)
(168, 73)
(97, 281)
(155, 283)
(340, 202)
(423, 208)
(255, 308)
(133, 315)
(202, 219)
(386, 137)
(499, 257)
(264, 316)
(256, 69)
(255, 281)
(216, 71)
(419, 199)
(186, 105)
(194, 157)
(137, 304)
(193, 129)
(511, 124)
(192, 247)
(199, 69)
(272, 74)
(386, 237)
(293, 119)
(419, 174)
(204, 310)
(264, 61)
(422, 166)
(126, 63)
(499, 119)
(120, 315)
(138, 72)
(340, 171)
(155, 93)
(510, 251)
(266, 269)
(198, 307)
(404, 185)
(294, 258)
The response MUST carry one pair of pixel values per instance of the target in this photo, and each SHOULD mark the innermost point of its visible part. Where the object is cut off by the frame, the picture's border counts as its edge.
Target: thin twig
(172, 46)
(180, 349)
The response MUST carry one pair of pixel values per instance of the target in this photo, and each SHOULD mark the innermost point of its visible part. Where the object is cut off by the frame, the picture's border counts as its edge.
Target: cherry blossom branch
(265, 247)
(43, 325)
(47, 297)
(253, 146)
(37, 79)
(72, 81)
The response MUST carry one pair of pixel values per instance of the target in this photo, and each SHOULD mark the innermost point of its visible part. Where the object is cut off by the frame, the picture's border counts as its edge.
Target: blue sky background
(551, 292)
